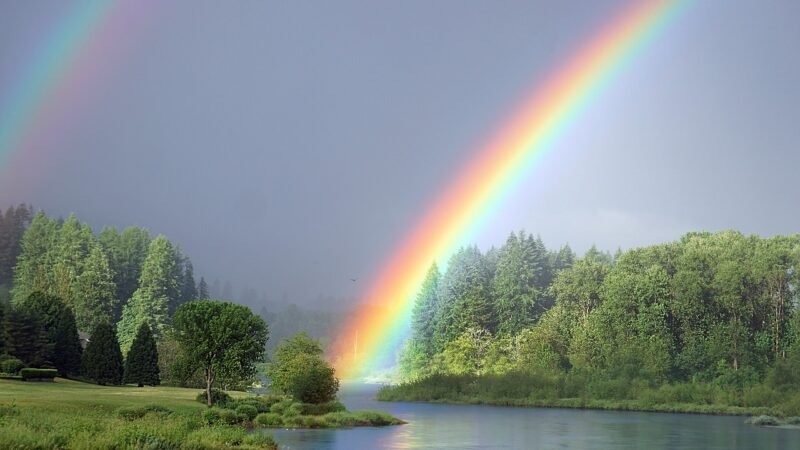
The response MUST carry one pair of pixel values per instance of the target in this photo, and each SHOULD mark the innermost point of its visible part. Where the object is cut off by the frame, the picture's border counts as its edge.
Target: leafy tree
(102, 360)
(141, 364)
(299, 370)
(223, 339)
(150, 302)
(126, 252)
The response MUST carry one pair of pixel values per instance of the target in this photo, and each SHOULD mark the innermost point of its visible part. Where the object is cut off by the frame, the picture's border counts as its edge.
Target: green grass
(74, 415)
(536, 390)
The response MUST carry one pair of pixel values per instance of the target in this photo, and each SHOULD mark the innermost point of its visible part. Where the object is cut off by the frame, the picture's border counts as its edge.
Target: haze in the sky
(289, 146)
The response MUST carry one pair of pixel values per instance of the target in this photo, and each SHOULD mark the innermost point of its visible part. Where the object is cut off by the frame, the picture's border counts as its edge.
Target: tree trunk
(209, 380)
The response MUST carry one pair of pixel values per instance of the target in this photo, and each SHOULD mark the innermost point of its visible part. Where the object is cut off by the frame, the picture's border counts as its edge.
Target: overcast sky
(289, 146)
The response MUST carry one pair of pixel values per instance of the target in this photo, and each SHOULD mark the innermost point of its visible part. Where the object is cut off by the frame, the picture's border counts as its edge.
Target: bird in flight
(353, 279)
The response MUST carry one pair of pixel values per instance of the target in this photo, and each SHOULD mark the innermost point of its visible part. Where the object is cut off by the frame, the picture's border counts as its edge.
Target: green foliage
(12, 228)
(248, 411)
(298, 369)
(137, 412)
(464, 297)
(141, 364)
(11, 365)
(29, 373)
(223, 339)
(273, 420)
(62, 334)
(151, 301)
(95, 299)
(102, 360)
(217, 396)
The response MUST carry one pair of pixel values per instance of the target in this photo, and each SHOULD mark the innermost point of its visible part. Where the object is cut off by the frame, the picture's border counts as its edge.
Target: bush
(137, 412)
(230, 417)
(217, 396)
(269, 420)
(764, 421)
(211, 416)
(248, 411)
(792, 420)
(11, 365)
(38, 374)
(318, 409)
(281, 406)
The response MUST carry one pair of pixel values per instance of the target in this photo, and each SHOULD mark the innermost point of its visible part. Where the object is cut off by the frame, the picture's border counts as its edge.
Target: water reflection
(480, 427)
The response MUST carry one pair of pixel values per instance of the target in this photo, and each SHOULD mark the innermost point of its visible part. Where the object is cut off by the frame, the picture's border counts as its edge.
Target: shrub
(764, 421)
(11, 365)
(295, 409)
(792, 421)
(137, 412)
(248, 411)
(211, 416)
(38, 374)
(281, 406)
(269, 420)
(217, 396)
(318, 409)
(230, 417)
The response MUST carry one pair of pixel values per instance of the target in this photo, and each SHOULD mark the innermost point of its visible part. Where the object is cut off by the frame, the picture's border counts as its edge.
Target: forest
(710, 319)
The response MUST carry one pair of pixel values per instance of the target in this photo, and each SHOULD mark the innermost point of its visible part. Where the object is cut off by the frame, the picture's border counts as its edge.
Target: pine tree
(150, 302)
(519, 269)
(94, 291)
(12, 227)
(67, 345)
(422, 319)
(141, 365)
(188, 289)
(33, 271)
(27, 338)
(465, 297)
(202, 290)
(57, 320)
(102, 360)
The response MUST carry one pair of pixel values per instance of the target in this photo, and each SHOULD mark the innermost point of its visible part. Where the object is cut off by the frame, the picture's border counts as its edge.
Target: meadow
(75, 415)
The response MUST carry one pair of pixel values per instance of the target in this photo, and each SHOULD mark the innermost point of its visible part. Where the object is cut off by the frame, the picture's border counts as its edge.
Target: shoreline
(606, 405)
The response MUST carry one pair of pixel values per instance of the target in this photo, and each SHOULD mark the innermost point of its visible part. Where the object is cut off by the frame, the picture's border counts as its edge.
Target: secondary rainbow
(370, 339)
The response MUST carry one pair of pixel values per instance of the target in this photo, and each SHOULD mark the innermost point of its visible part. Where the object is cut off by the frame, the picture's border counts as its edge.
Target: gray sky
(289, 146)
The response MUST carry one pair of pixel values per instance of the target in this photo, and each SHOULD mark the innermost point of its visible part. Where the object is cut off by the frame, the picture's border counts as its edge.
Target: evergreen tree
(27, 337)
(150, 302)
(126, 253)
(520, 268)
(58, 322)
(67, 345)
(102, 360)
(227, 291)
(33, 271)
(12, 227)
(141, 364)
(465, 297)
(188, 289)
(427, 302)
(95, 291)
(202, 290)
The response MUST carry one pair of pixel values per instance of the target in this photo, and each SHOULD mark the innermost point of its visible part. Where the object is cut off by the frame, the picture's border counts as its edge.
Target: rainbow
(60, 77)
(370, 339)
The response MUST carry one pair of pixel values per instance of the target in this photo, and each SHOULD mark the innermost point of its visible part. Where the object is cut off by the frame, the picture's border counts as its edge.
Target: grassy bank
(531, 390)
(69, 414)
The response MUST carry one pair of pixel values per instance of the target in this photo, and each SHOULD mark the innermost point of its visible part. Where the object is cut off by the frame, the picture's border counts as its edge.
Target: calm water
(487, 427)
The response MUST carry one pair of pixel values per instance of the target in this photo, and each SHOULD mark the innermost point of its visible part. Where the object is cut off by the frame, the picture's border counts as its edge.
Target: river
(489, 427)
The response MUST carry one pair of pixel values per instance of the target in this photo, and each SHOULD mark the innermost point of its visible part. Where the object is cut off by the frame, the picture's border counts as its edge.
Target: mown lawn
(70, 414)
